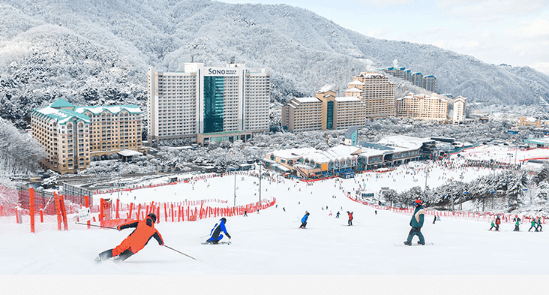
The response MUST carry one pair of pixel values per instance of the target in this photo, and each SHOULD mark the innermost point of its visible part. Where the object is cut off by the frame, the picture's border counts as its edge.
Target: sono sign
(221, 72)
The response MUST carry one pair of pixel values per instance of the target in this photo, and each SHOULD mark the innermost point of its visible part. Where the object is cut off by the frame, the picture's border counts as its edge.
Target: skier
(245, 213)
(435, 220)
(337, 215)
(498, 222)
(533, 224)
(304, 220)
(376, 212)
(539, 224)
(493, 224)
(416, 223)
(215, 233)
(517, 223)
(135, 241)
(350, 222)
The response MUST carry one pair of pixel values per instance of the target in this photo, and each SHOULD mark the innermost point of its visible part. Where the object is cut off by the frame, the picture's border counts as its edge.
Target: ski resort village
(197, 147)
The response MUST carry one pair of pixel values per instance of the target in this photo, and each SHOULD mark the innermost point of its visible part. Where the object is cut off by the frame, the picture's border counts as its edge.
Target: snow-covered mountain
(97, 52)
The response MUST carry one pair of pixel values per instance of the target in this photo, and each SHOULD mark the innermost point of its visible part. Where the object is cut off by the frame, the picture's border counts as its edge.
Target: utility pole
(234, 188)
(260, 174)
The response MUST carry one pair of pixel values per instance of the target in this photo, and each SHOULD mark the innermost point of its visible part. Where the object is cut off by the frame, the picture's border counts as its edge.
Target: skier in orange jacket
(135, 241)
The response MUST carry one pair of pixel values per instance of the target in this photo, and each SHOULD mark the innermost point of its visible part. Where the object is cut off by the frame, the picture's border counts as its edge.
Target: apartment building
(430, 83)
(421, 106)
(376, 92)
(208, 100)
(323, 112)
(459, 110)
(73, 136)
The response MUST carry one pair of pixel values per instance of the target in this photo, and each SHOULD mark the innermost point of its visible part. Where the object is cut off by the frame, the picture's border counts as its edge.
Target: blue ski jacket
(218, 228)
(304, 219)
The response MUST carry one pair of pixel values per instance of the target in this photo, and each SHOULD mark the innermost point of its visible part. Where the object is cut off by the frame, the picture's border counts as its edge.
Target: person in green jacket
(416, 223)
(493, 224)
(533, 224)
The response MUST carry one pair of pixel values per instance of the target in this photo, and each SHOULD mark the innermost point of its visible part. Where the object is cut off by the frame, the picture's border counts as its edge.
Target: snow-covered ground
(268, 247)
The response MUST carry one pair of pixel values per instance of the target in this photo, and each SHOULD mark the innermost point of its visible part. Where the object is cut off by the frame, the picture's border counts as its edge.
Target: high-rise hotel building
(207, 104)
(73, 136)
(376, 92)
(459, 110)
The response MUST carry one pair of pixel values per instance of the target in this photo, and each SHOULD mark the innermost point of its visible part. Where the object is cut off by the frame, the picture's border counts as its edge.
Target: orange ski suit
(139, 237)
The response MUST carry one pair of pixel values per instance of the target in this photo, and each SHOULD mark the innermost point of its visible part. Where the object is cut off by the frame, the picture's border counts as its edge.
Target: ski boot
(407, 243)
(420, 243)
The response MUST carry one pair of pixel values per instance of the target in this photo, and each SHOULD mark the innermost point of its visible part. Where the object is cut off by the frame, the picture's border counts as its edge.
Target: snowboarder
(533, 224)
(304, 220)
(215, 233)
(539, 224)
(350, 221)
(337, 215)
(416, 223)
(135, 241)
(493, 224)
(498, 222)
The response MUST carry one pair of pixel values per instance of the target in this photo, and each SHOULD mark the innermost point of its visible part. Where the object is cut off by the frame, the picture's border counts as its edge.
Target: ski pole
(97, 225)
(178, 251)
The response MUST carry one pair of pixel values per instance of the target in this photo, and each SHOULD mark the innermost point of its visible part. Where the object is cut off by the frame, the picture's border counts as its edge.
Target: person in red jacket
(350, 222)
(135, 241)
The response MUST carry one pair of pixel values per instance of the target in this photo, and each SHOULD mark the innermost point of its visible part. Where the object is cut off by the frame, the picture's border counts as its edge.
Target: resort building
(323, 112)
(208, 104)
(73, 136)
(459, 110)
(376, 92)
(421, 106)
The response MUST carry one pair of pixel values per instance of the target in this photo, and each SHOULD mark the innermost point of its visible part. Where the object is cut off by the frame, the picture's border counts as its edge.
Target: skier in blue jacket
(304, 220)
(416, 223)
(215, 234)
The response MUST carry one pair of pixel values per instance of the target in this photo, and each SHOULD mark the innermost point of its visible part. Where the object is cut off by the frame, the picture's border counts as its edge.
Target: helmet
(417, 202)
(224, 220)
(152, 216)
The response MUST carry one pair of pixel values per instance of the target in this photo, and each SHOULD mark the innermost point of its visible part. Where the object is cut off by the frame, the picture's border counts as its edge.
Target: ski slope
(269, 244)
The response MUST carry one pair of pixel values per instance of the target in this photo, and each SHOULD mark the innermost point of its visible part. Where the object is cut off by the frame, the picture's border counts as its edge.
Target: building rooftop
(61, 103)
(307, 99)
(132, 109)
(353, 90)
(62, 116)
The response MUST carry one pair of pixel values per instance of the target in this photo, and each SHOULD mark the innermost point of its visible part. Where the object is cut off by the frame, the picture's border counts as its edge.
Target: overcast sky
(495, 31)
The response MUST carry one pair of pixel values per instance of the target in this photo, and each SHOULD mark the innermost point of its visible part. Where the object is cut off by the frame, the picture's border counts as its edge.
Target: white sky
(494, 31)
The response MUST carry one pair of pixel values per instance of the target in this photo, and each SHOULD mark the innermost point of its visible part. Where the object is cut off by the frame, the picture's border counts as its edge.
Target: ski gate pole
(178, 251)
(97, 225)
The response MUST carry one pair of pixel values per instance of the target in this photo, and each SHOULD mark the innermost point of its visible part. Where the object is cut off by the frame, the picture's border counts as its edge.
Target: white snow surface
(270, 242)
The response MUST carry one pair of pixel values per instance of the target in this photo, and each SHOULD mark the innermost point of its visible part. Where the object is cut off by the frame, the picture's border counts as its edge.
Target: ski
(414, 244)
(220, 243)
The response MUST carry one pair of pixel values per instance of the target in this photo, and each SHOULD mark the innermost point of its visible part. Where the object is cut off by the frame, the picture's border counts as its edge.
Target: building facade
(376, 92)
(459, 110)
(421, 106)
(73, 136)
(207, 100)
(430, 83)
(323, 112)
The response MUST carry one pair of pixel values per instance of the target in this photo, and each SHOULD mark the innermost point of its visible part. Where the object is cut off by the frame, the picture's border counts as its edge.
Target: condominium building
(207, 104)
(376, 92)
(430, 83)
(459, 110)
(417, 79)
(73, 136)
(323, 112)
(421, 106)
